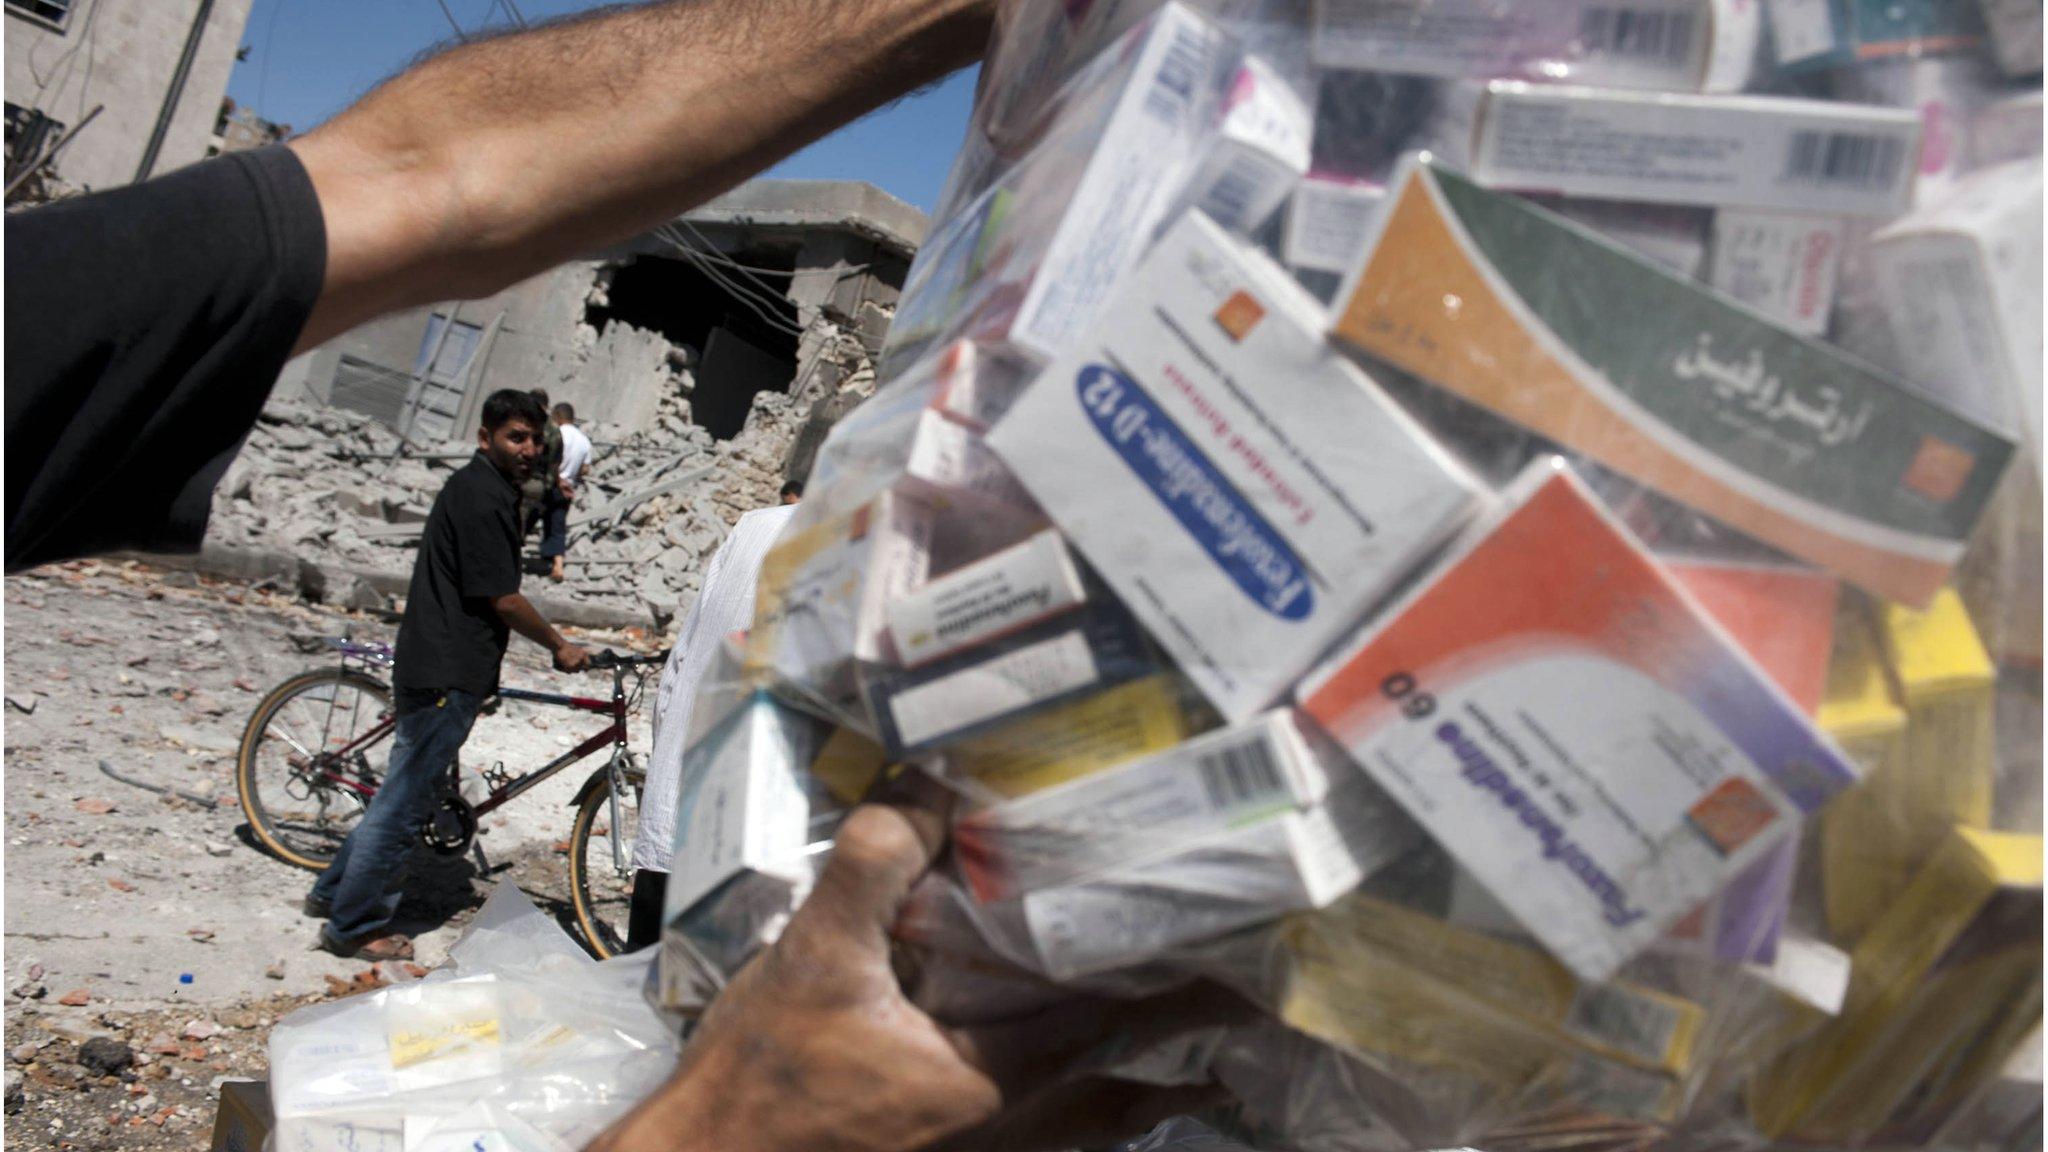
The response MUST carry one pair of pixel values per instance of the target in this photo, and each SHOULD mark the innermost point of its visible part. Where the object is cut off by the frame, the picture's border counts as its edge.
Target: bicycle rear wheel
(600, 891)
(294, 780)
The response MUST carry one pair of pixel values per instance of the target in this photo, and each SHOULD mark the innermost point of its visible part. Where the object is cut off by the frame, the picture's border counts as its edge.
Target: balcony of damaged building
(704, 360)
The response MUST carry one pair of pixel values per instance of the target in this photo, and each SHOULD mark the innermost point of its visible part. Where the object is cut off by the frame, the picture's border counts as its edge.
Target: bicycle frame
(613, 735)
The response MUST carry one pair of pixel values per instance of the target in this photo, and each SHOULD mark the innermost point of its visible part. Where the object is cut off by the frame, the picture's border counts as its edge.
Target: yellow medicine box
(1384, 979)
(1072, 740)
(1861, 866)
(1943, 986)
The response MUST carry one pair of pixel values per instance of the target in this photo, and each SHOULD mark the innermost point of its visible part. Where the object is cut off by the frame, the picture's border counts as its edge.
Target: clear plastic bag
(521, 1041)
(1508, 534)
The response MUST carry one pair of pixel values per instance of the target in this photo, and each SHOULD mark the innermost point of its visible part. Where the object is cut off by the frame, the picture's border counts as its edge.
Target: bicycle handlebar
(605, 660)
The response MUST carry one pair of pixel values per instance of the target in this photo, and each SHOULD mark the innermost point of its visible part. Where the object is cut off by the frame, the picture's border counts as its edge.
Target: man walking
(460, 610)
(537, 491)
(575, 461)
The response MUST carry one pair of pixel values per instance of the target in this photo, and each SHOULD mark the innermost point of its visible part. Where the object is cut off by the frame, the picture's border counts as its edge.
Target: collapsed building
(705, 359)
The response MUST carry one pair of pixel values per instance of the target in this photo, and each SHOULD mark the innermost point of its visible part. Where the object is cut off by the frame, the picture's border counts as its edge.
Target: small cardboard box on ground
(243, 1121)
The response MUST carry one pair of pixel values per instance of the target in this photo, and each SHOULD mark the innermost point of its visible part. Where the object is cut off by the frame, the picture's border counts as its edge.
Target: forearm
(522, 617)
(504, 157)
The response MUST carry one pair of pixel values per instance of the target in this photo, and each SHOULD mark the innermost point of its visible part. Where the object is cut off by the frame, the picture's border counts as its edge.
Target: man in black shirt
(460, 611)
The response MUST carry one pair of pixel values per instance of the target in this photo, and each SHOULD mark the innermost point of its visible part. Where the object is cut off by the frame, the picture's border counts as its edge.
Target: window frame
(22, 10)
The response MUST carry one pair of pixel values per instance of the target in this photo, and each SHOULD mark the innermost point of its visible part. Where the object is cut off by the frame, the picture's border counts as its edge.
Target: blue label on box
(1206, 503)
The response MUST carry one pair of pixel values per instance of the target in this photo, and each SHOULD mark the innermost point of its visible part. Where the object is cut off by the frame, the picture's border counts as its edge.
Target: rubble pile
(330, 488)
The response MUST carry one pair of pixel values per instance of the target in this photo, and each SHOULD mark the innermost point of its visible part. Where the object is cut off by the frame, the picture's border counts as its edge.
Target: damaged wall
(781, 270)
(324, 485)
(693, 377)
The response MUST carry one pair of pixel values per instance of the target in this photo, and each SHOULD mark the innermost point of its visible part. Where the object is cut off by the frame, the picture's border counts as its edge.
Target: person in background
(460, 609)
(724, 605)
(792, 491)
(538, 489)
(575, 461)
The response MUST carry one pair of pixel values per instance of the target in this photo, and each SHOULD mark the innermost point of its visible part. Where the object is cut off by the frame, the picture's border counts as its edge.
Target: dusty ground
(153, 920)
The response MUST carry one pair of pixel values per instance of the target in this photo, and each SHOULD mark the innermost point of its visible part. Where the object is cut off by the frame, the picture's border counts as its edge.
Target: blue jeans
(363, 886)
(554, 540)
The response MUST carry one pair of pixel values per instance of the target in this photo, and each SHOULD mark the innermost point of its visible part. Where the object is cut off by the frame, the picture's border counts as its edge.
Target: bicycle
(305, 775)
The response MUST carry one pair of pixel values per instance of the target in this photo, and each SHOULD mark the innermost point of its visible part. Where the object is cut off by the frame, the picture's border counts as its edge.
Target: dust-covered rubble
(329, 488)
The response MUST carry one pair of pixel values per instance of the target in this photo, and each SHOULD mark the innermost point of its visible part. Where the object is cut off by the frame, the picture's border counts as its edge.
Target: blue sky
(308, 59)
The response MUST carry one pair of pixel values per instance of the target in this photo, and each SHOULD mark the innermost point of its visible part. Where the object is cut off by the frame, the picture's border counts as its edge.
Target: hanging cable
(767, 317)
(460, 35)
(754, 300)
(706, 242)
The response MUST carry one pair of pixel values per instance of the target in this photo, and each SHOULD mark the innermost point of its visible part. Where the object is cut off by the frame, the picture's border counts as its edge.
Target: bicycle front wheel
(602, 837)
(304, 771)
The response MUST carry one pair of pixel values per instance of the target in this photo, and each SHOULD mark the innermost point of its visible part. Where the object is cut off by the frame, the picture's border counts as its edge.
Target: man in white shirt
(554, 543)
(724, 605)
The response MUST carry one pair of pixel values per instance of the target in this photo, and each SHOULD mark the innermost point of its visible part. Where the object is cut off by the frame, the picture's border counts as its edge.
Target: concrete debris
(105, 1056)
(212, 738)
(323, 486)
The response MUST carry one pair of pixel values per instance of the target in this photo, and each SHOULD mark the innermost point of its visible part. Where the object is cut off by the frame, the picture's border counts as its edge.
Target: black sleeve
(486, 547)
(145, 327)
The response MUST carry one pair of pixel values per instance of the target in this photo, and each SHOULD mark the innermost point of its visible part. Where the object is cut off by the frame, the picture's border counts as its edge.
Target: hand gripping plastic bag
(1507, 534)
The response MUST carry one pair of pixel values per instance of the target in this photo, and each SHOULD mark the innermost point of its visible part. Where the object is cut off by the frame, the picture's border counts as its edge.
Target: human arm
(163, 311)
(500, 158)
(815, 1046)
(522, 617)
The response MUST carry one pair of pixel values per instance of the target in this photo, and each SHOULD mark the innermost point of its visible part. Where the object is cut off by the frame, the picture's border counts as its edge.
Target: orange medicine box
(1570, 725)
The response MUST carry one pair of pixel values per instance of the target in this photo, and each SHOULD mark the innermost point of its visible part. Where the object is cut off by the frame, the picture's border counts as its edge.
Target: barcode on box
(1627, 32)
(1241, 775)
(1623, 1021)
(1843, 159)
(1173, 88)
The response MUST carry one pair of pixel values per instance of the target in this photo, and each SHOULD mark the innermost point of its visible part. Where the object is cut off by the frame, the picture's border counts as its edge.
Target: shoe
(374, 947)
(314, 908)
